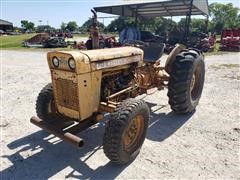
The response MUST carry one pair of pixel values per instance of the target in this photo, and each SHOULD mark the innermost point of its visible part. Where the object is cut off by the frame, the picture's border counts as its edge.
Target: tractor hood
(92, 60)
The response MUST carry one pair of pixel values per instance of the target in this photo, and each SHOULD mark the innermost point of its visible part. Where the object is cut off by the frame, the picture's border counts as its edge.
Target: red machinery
(207, 44)
(230, 40)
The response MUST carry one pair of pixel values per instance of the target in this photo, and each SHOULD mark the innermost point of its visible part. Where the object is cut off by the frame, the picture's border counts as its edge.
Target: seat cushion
(153, 52)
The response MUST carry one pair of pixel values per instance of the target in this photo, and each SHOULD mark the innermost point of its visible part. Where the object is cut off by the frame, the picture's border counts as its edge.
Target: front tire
(45, 107)
(126, 131)
(186, 81)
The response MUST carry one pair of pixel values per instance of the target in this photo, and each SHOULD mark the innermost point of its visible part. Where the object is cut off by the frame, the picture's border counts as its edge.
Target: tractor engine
(139, 78)
(149, 76)
(116, 82)
(81, 80)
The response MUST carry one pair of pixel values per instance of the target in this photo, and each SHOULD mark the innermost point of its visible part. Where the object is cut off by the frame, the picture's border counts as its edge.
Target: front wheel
(186, 81)
(45, 106)
(126, 131)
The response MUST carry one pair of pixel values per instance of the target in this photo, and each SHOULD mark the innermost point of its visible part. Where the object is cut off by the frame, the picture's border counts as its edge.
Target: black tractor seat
(153, 52)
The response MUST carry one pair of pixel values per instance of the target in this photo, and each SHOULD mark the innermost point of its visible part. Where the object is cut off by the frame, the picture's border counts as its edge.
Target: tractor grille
(67, 94)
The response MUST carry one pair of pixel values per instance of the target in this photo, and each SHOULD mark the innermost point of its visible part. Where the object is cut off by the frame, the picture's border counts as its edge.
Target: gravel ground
(202, 145)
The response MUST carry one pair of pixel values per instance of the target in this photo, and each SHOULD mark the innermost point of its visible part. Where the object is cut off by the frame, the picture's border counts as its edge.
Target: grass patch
(14, 41)
(232, 77)
(80, 35)
(226, 66)
(230, 70)
(230, 65)
(216, 51)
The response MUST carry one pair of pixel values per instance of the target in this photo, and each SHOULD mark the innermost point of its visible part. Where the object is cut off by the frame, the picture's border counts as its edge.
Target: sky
(54, 12)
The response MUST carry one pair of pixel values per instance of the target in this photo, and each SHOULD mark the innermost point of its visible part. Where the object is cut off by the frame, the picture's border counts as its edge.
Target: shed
(167, 8)
(5, 25)
(158, 8)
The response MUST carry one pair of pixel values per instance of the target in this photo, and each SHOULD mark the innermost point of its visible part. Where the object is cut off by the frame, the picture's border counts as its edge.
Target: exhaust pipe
(66, 136)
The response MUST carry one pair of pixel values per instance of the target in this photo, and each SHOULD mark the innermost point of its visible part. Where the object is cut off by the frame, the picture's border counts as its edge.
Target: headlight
(71, 63)
(55, 61)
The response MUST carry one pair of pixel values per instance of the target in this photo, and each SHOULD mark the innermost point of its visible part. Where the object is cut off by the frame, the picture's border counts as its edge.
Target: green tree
(72, 26)
(165, 25)
(44, 28)
(156, 25)
(27, 25)
(199, 25)
(87, 24)
(63, 26)
(151, 24)
(118, 24)
(223, 16)
(196, 25)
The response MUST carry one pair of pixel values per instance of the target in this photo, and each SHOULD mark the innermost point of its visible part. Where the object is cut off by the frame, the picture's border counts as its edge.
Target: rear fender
(172, 56)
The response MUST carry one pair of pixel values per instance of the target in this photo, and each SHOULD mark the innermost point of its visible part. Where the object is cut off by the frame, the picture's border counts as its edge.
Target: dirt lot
(202, 145)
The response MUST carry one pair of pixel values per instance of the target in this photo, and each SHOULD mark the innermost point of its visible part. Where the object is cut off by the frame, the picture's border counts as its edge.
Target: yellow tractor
(87, 85)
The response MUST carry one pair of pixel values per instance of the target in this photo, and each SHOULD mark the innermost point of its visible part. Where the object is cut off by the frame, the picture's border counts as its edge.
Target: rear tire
(126, 131)
(186, 81)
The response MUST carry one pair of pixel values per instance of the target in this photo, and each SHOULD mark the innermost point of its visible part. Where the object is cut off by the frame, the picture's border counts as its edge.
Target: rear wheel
(186, 81)
(126, 131)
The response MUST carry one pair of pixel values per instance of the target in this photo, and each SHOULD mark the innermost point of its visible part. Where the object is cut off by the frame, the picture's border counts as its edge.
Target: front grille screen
(67, 94)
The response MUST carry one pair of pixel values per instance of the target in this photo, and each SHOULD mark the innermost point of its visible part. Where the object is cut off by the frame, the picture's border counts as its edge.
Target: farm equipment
(230, 40)
(104, 42)
(44, 40)
(36, 41)
(88, 85)
(54, 42)
(202, 41)
(97, 40)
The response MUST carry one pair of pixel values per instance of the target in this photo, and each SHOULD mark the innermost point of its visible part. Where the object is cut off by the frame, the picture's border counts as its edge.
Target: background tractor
(87, 85)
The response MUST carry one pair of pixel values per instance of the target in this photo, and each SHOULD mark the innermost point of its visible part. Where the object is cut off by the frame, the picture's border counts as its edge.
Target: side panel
(116, 62)
(96, 91)
(89, 85)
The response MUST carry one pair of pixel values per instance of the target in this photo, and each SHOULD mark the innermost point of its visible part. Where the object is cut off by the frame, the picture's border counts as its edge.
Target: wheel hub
(133, 133)
(192, 83)
(195, 84)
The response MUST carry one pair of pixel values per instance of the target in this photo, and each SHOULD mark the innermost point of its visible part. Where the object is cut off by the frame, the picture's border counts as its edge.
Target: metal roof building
(167, 8)
(5, 25)
(158, 8)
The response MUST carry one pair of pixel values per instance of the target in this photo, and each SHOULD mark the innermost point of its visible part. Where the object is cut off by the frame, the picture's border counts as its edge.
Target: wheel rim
(51, 107)
(192, 83)
(133, 133)
(195, 84)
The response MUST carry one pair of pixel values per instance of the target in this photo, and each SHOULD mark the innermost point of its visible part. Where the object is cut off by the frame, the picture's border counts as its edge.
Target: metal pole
(207, 21)
(185, 28)
(188, 21)
(136, 14)
(171, 24)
